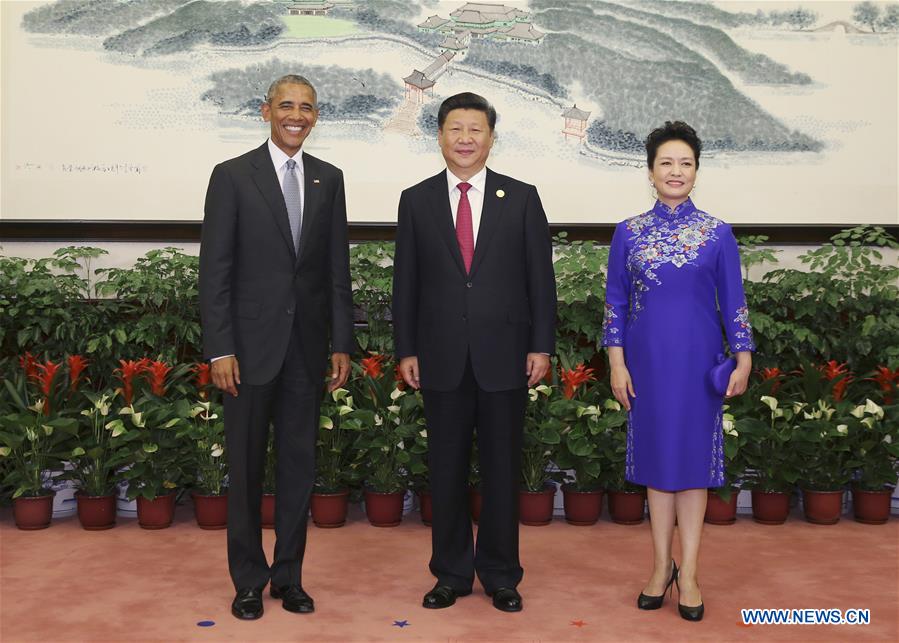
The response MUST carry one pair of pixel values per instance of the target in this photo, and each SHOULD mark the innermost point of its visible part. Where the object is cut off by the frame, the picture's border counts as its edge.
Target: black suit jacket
(253, 283)
(504, 309)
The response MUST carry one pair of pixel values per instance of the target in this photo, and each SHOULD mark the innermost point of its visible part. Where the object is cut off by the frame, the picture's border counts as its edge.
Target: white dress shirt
(475, 197)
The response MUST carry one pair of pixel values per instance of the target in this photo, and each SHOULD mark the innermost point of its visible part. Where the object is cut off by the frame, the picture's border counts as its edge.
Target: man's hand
(340, 370)
(409, 371)
(226, 374)
(537, 367)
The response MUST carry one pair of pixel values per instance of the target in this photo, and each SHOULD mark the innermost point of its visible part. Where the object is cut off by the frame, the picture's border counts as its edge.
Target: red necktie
(464, 230)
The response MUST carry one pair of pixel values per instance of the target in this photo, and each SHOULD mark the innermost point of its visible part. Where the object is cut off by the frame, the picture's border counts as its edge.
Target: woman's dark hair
(466, 100)
(672, 131)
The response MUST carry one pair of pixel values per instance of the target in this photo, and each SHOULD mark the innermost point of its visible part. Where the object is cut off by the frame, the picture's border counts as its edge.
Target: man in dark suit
(474, 310)
(274, 285)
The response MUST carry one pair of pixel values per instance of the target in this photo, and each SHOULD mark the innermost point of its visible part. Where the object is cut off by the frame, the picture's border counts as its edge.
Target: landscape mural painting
(118, 110)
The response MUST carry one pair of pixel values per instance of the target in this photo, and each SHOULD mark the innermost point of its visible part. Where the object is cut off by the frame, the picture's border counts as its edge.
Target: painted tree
(890, 20)
(800, 18)
(866, 14)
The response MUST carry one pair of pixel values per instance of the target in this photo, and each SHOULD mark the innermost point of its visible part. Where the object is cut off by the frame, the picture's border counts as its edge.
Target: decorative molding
(189, 231)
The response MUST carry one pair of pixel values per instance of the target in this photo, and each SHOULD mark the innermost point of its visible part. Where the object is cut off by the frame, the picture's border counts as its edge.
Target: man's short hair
(294, 79)
(466, 100)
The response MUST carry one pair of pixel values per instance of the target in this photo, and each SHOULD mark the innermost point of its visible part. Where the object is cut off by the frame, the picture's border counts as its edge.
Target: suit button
(468, 285)
(290, 311)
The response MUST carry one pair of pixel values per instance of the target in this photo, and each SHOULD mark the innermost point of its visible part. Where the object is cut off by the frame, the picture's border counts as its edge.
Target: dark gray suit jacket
(252, 282)
(503, 310)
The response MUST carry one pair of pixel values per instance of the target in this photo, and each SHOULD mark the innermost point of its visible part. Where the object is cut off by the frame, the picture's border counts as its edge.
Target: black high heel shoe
(646, 602)
(689, 613)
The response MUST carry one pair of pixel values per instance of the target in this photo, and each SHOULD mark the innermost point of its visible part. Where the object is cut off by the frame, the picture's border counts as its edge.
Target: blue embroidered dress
(670, 271)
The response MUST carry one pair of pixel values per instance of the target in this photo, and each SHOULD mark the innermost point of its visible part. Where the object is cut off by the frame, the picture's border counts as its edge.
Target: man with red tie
(474, 311)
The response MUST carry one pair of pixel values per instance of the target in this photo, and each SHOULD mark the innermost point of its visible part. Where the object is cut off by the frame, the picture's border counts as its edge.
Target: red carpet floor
(580, 584)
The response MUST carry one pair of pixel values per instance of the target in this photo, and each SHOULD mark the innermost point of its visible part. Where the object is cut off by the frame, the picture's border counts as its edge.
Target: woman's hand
(622, 386)
(739, 379)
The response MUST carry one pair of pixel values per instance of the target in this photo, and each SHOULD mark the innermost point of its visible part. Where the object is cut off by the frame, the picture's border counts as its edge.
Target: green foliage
(580, 268)
(206, 456)
(873, 436)
(334, 462)
(372, 273)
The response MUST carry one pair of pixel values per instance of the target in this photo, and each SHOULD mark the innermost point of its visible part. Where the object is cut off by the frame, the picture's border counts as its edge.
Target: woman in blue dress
(673, 279)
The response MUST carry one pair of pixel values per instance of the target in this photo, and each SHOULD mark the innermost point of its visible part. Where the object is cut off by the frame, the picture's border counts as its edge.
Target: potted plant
(206, 435)
(721, 508)
(874, 458)
(627, 501)
(103, 448)
(580, 452)
(542, 432)
(158, 458)
(770, 458)
(823, 450)
(269, 475)
(388, 417)
(333, 470)
(419, 478)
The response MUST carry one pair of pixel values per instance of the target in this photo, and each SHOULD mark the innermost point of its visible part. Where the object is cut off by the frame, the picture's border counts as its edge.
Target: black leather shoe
(647, 602)
(507, 599)
(442, 596)
(293, 599)
(694, 613)
(247, 605)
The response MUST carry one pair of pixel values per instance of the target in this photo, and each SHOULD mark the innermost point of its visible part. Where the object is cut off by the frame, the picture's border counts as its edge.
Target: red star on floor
(579, 623)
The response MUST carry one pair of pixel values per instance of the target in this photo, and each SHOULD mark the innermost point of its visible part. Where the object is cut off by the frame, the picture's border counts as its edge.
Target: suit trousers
(452, 417)
(290, 403)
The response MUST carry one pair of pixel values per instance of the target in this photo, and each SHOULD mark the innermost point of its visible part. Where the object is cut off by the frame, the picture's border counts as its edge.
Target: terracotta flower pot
(474, 503)
(718, 512)
(535, 508)
(329, 509)
(626, 507)
(822, 507)
(96, 512)
(871, 507)
(427, 508)
(581, 507)
(211, 511)
(33, 512)
(770, 507)
(384, 509)
(268, 511)
(156, 513)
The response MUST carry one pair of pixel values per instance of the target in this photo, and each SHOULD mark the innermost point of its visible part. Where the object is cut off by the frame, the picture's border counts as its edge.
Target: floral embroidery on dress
(744, 332)
(665, 236)
(611, 333)
(629, 467)
(716, 470)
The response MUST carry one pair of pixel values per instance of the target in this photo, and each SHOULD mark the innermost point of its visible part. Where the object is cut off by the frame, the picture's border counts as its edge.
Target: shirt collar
(681, 210)
(279, 158)
(478, 181)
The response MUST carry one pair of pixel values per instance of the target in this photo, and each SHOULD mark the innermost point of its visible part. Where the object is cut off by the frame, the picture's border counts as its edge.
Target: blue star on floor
(401, 624)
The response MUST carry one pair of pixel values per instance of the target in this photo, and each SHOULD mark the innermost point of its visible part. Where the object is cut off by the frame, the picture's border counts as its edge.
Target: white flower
(798, 406)
(401, 444)
(873, 409)
(217, 451)
(533, 394)
(394, 408)
(338, 394)
(769, 401)
(423, 433)
(868, 422)
(545, 390)
(858, 411)
(379, 421)
(37, 407)
(324, 422)
(5, 451)
(843, 429)
(612, 405)
(888, 438)
(396, 394)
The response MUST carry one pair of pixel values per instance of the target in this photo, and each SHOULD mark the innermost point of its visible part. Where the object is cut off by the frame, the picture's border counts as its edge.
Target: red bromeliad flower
(772, 373)
(126, 374)
(77, 364)
(886, 380)
(575, 378)
(29, 365)
(373, 366)
(832, 370)
(203, 378)
(45, 373)
(156, 372)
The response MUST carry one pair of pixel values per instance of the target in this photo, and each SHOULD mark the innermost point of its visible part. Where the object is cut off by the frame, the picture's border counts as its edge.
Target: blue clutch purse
(719, 376)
